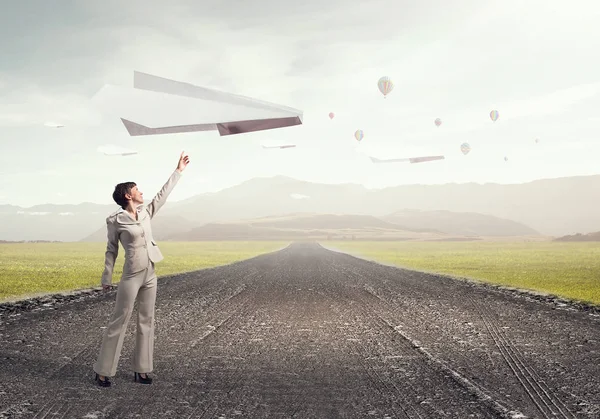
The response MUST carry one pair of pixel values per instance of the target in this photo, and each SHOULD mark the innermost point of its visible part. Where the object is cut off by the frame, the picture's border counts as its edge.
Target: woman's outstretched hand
(183, 162)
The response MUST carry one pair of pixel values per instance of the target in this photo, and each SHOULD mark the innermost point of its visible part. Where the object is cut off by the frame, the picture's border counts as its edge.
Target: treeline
(590, 237)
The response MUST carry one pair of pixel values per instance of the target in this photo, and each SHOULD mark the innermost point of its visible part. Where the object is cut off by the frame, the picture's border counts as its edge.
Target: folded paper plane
(53, 125)
(157, 105)
(280, 146)
(410, 159)
(112, 150)
(224, 128)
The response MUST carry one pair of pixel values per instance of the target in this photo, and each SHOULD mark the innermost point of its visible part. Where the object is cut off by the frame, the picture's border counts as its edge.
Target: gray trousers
(141, 285)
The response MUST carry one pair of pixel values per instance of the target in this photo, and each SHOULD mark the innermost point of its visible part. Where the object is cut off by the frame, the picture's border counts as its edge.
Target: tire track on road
(237, 311)
(540, 394)
(476, 390)
(386, 385)
(535, 387)
(471, 387)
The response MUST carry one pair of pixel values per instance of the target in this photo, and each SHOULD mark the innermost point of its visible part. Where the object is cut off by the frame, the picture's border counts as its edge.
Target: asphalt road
(306, 332)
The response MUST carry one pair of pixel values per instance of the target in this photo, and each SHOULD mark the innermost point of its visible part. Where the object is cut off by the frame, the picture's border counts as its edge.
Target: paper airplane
(158, 105)
(410, 159)
(112, 150)
(53, 125)
(280, 146)
(226, 128)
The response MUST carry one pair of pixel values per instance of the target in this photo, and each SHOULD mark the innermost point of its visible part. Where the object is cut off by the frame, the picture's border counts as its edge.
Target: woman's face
(136, 196)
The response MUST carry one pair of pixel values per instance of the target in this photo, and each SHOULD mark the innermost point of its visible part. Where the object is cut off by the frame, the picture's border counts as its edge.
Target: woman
(131, 226)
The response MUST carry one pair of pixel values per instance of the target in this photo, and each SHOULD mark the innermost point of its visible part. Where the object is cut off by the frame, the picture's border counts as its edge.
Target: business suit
(137, 281)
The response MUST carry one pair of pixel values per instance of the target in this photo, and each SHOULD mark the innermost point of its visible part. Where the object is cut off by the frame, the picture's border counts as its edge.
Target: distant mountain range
(551, 207)
(333, 226)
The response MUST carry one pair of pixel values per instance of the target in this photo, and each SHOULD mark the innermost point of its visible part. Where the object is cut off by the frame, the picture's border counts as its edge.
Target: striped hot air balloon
(494, 115)
(331, 115)
(465, 148)
(359, 135)
(437, 122)
(385, 85)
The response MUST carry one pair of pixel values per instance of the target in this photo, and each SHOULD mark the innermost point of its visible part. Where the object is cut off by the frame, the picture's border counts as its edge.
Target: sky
(534, 61)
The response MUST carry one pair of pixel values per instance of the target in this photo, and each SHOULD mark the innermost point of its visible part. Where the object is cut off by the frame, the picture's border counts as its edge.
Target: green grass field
(29, 269)
(570, 270)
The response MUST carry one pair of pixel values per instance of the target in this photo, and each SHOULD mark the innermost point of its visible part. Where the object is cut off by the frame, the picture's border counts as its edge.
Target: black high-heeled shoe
(102, 383)
(138, 378)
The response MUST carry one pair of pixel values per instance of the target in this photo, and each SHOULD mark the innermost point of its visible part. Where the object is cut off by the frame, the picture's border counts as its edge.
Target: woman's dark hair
(119, 194)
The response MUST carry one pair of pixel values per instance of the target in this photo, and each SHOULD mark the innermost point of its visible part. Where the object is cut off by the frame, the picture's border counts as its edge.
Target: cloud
(454, 62)
(267, 49)
(34, 212)
(282, 53)
(32, 106)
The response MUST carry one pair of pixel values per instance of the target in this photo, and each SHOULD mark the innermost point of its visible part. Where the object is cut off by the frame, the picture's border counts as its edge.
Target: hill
(552, 207)
(163, 227)
(325, 221)
(332, 226)
(51, 222)
(460, 223)
(590, 237)
(549, 206)
(289, 226)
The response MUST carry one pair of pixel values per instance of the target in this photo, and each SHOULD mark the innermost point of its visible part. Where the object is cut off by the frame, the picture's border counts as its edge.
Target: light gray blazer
(135, 235)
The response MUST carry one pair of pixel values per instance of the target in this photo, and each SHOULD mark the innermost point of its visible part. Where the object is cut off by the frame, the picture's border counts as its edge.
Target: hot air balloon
(385, 85)
(437, 122)
(465, 148)
(359, 135)
(537, 140)
(331, 115)
(494, 115)
(505, 158)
